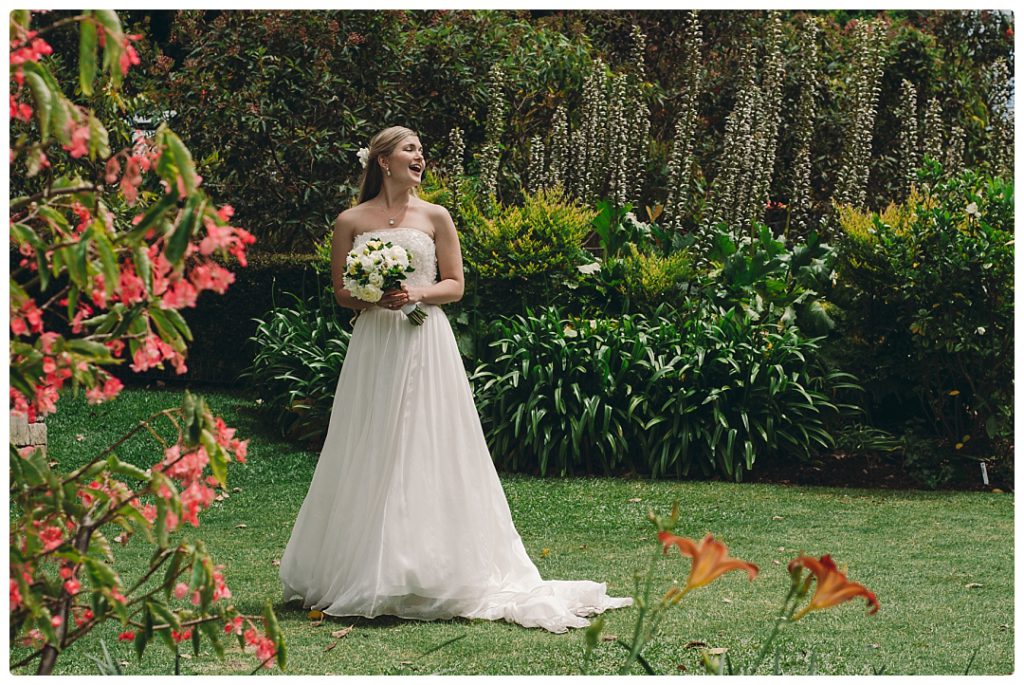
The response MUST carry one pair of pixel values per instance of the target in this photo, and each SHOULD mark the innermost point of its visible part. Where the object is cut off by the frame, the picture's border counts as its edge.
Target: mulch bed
(841, 469)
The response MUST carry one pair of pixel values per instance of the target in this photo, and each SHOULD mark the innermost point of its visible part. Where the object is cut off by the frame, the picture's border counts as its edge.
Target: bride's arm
(341, 245)
(449, 264)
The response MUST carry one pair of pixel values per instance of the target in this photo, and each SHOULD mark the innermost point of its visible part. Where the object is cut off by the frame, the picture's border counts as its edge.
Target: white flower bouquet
(377, 268)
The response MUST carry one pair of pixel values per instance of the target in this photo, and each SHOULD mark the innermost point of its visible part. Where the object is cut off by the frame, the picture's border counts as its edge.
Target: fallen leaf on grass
(544, 553)
(634, 499)
(971, 586)
(331, 646)
(680, 667)
(343, 632)
(777, 518)
(315, 615)
(236, 489)
(79, 437)
(717, 650)
(609, 638)
(241, 525)
(727, 600)
(276, 562)
(694, 644)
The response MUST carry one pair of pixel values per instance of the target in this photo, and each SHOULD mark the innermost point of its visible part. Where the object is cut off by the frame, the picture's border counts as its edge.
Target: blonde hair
(384, 143)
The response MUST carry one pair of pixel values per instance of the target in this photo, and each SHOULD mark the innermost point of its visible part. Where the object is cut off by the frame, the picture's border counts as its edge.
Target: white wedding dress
(405, 515)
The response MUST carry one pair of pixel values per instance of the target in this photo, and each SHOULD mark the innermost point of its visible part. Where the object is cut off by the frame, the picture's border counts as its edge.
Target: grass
(941, 564)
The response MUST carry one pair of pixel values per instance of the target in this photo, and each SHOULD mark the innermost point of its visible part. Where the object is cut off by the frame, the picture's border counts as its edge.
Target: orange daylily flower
(710, 559)
(833, 587)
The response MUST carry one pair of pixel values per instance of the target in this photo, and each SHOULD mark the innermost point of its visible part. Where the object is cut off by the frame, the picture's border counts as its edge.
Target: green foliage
(305, 90)
(524, 254)
(570, 395)
(771, 281)
(299, 355)
(928, 294)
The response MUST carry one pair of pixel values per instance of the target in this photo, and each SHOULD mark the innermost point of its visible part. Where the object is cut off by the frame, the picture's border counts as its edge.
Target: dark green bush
(571, 395)
(928, 299)
(300, 350)
(222, 325)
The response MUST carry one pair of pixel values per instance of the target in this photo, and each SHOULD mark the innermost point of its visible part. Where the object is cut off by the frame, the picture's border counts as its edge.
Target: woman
(405, 515)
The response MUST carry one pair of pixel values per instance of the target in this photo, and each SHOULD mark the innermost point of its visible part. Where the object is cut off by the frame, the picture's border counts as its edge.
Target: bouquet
(377, 268)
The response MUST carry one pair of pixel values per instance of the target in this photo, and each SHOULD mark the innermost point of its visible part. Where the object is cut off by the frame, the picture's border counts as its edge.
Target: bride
(405, 514)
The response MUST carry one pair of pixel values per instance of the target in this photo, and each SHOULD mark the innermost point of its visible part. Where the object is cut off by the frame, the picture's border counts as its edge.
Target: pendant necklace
(391, 220)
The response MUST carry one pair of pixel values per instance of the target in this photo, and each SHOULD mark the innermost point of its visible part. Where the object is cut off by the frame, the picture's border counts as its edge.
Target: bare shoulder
(439, 217)
(348, 221)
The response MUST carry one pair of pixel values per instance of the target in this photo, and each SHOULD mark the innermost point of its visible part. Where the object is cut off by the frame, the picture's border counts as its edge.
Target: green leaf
(99, 139)
(183, 233)
(162, 612)
(44, 101)
(152, 215)
(182, 159)
(86, 53)
(126, 469)
(212, 632)
(108, 261)
(275, 634)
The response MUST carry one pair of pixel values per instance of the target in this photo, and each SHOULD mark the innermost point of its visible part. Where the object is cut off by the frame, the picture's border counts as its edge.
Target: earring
(388, 169)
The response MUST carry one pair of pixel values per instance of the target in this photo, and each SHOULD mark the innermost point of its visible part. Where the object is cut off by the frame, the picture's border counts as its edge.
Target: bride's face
(406, 161)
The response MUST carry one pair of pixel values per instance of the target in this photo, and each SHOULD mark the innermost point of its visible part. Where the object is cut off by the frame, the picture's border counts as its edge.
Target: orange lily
(710, 559)
(833, 587)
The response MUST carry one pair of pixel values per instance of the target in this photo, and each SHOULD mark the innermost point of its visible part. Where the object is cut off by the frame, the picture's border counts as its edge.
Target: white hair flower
(363, 154)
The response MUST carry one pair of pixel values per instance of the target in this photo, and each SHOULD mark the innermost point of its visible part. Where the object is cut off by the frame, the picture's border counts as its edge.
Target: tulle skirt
(405, 515)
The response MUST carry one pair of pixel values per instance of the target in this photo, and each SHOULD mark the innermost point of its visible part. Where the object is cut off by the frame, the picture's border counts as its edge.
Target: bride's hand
(393, 299)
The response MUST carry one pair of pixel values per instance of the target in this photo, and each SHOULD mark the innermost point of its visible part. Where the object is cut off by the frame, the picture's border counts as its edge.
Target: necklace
(391, 220)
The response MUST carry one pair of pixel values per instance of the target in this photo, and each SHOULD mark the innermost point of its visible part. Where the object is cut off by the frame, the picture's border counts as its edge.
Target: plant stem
(636, 644)
(783, 617)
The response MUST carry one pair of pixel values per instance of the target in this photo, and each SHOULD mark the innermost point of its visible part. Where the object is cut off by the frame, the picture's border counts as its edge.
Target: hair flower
(363, 154)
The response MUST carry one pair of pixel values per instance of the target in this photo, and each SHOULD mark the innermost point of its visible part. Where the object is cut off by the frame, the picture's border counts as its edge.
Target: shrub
(299, 355)
(568, 395)
(770, 280)
(928, 294)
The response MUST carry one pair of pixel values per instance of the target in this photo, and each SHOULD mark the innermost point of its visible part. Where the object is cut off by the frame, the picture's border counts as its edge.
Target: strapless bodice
(417, 243)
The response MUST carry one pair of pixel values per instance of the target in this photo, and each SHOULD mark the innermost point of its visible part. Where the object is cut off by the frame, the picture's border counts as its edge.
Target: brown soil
(866, 471)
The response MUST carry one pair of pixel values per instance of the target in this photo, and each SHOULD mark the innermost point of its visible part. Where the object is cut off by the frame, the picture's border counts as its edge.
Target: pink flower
(65, 572)
(132, 287)
(193, 498)
(225, 213)
(211, 276)
(20, 110)
(220, 588)
(31, 53)
(180, 590)
(47, 340)
(72, 586)
(126, 636)
(234, 626)
(128, 55)
(149, 512)
(113, 168)
(179, 294)
(183, 635)
(15, 594)
(132, 179)
(52, 537)
(79, 134)
(56, 621)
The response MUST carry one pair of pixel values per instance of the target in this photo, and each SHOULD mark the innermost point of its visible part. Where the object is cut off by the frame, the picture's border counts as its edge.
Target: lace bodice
(417, 243)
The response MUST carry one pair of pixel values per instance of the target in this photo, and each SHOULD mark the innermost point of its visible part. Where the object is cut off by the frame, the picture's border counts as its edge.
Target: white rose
(376, 279)
(373, 293)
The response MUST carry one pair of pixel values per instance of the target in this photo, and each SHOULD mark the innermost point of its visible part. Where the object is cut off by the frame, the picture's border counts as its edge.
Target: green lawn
(941, 564)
